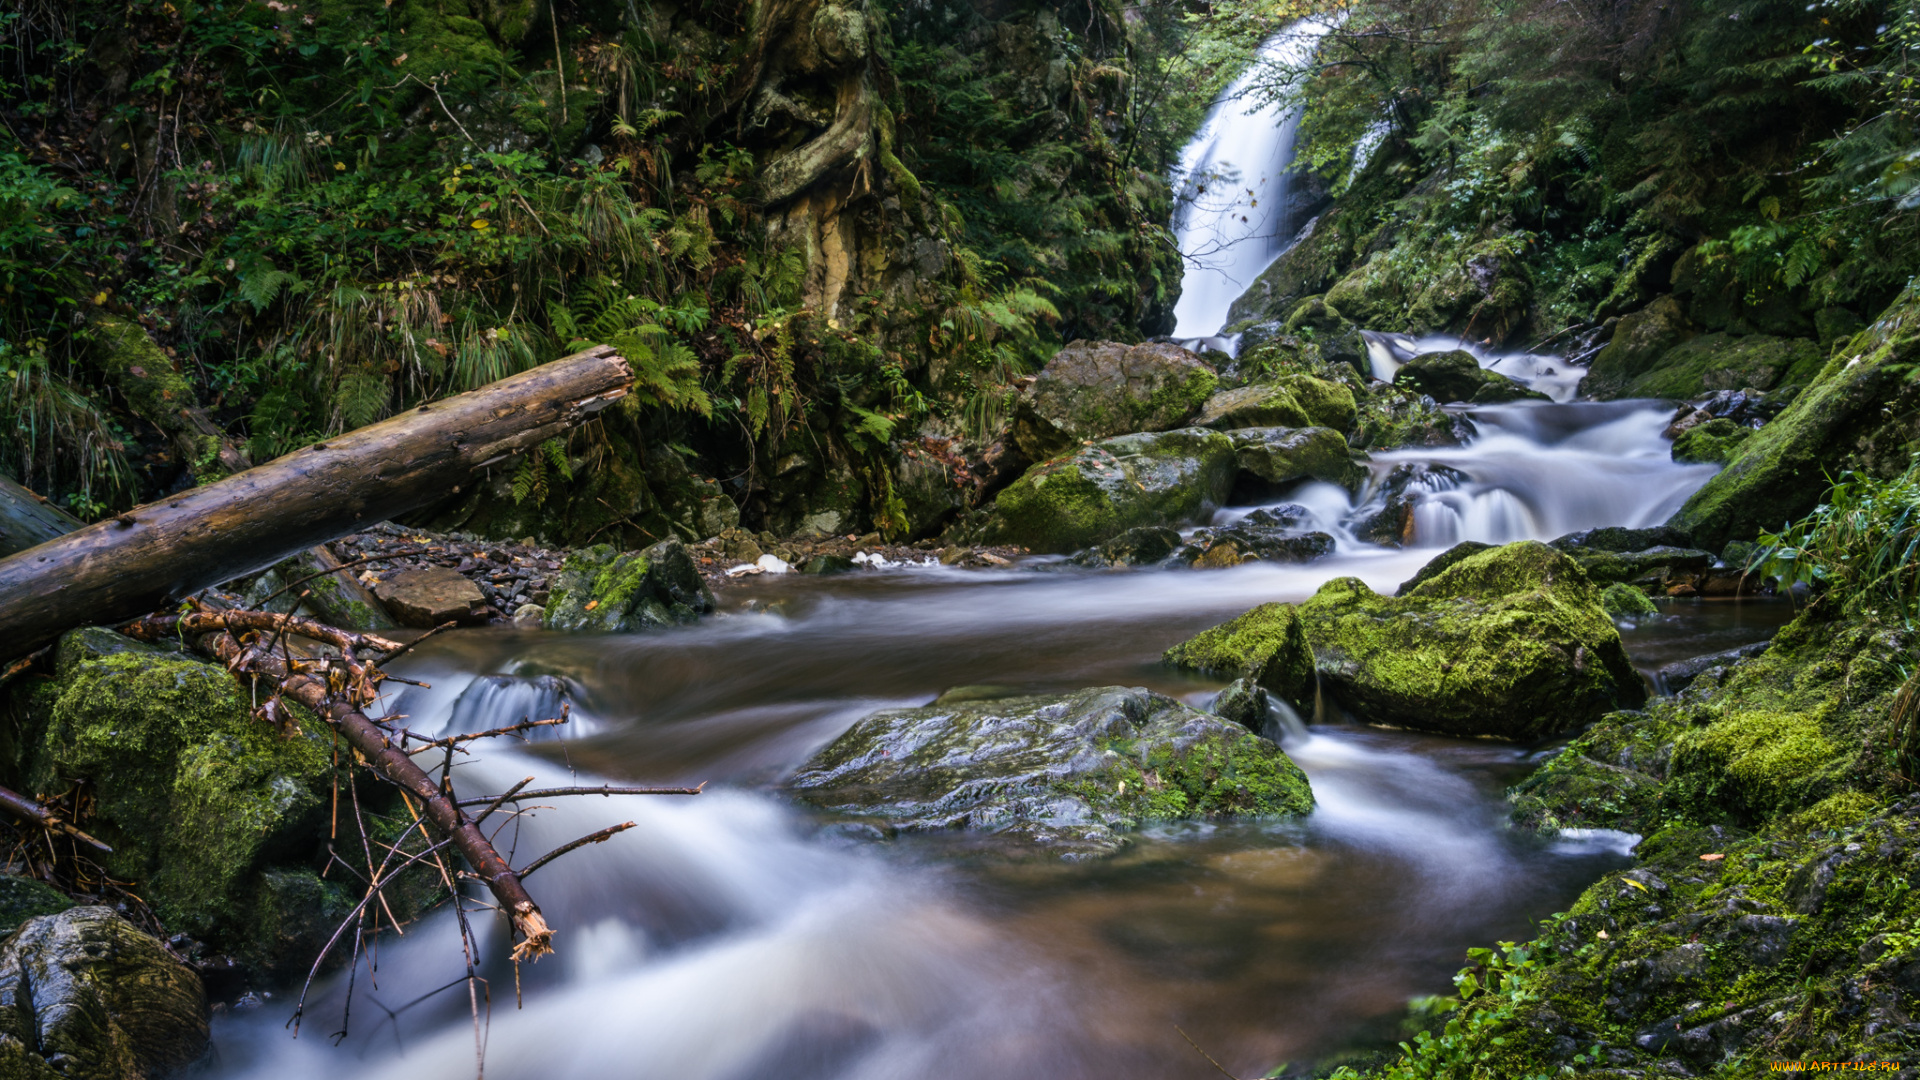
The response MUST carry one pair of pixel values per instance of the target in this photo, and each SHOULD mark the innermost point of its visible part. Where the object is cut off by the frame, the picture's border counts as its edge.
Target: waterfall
(1233, 183)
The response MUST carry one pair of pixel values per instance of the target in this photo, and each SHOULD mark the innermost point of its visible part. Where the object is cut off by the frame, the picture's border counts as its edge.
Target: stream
(735, 935)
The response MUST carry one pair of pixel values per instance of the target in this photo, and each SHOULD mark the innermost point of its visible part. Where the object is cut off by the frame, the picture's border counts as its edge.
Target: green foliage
(1860, 546)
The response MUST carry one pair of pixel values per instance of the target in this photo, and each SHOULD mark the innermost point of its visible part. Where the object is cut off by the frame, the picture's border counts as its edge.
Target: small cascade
(1233, 185)
(1551, 375)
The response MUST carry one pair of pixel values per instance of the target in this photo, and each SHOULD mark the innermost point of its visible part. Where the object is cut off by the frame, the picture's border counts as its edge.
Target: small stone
(426, 597)
(527, 616)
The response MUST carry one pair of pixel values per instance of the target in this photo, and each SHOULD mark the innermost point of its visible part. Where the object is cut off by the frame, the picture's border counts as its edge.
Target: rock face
(614, 592)
(1510, 642)
(1074, 771)
(1639, 341)
(1710, 443)
(1458, 376)
(1096, 389)
(1281, 456)
(1101, 491)
(1857, 414)
(431, 595)
(86, 996)
(1267, 645)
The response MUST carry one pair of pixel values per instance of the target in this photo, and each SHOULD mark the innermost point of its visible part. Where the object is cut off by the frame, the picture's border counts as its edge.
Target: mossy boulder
(1074, 772)
(1297, 400)
(1079, 500)
(22, 898)
(1625, 602)
(1282, 456)
(1720, 361)
(1639, 341)
(1096, 389)
(1458, 376)
(1859, 413)
(1712, 443)
(1510, 642)
(616, 592)
(1267, 645)
(84, 995)
(191, 791)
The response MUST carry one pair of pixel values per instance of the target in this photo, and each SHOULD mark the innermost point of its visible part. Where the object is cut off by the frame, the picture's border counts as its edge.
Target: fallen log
(153, 555)
(27, 520)
(336, 689)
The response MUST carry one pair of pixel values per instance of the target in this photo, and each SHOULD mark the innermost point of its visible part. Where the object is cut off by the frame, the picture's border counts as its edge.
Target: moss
(1712, 443)
(1226, 773)
(1267, 645)
(1073, 502)
(1639, 341)
(1282, 456)
(22, 898)
(1509, 642)
(1770, 758)
(1327, 403)
(1261, 405)
(1623, 601)
(1720, 361)
(190, 790)
(607, 591)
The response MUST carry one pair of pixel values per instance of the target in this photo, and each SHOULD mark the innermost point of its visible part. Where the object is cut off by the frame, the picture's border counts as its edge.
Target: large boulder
(190, 790)
(1639, 341)
(1095, 389)
(617, 592)
(1102, 490)
(1458, 376)
(1713, 442)
(1859, 413)
(1720, 361)
(84, 995)
(1074, 771)
(1280, 456)
(1297, 400)
(1510, 642)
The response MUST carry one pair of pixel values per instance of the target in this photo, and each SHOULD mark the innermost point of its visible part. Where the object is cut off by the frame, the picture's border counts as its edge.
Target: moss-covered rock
(1712, 443)
(1096, 389)
(84, 995)
(1281, 456)
(1458, 376)
(1639, 341)
(617, 592)
(1721, 361)
(1860, 413)
(1296, 400)
(1074, 772)
(191, 791)
(1625, 602)
(22, 898)
(1267, 645)
(1101, 491)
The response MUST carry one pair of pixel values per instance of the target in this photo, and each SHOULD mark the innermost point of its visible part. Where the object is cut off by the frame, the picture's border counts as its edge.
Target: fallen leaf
(1715, 857)
(591, 604)
(1635, 884)
(1602, 935)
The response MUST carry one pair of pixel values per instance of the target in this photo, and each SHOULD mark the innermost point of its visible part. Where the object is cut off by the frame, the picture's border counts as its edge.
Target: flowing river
(735, 935)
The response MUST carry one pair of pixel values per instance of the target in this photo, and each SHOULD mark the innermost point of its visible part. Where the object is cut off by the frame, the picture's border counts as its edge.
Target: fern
(361, 398)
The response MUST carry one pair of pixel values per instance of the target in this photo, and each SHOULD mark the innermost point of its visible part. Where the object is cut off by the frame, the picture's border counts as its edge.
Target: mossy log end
(140, 561)
(27, 520)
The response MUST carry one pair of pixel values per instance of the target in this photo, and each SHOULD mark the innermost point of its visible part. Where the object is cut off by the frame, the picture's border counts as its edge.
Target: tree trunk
(26, 520)
(125, 567)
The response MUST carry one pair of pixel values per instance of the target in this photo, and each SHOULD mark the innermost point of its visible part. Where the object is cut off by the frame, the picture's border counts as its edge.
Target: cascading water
(1233, 184)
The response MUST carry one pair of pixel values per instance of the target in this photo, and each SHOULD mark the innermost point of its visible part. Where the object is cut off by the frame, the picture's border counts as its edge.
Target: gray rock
(1096, 389)
(619, 592)
(430, 595)
(1281, 456)
(1073, 772)
(1680, 674)
(1161, 479)
(86, 996)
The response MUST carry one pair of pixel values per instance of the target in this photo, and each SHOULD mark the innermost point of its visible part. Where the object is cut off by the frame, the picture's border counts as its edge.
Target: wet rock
(1680, 674)
(1511, 642)
(1267, 645)
(1074, 772)
(1270, 535)
(1606, 567)
(1443, 561)
(604, 590)
(1279, 456)
(1616, 539)
(827, 564)
(1715, 362)
(431, 595)
(1143, 546)
(1097, 389)
(1387, 516)
(1244, 702)
(335, 595)
(1639, 341)
(1297, 401)
(1458, 376)
(22, 898)
(86, 996)
(1085, 498)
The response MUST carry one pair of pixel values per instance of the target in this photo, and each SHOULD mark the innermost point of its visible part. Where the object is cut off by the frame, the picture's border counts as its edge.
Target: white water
(1551, 375)
(1232, 183)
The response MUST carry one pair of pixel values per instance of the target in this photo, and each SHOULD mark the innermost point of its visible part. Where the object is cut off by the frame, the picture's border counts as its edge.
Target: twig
(403, 650)
(22, 807)
(495, 804)
(590, 838)
(511, 729)
(1204, 1054)
(338, 569)
(561, 792)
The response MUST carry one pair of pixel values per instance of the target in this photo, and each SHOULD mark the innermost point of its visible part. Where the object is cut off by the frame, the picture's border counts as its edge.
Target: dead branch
(590, 838)
(562, 792)
(22, 807)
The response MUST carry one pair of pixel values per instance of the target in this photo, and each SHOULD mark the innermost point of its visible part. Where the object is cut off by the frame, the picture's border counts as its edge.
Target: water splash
(1554, 376)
